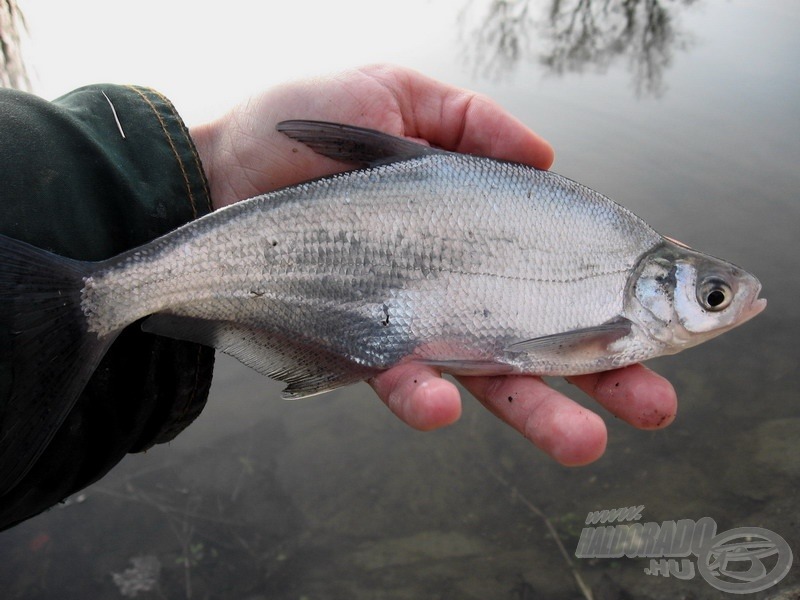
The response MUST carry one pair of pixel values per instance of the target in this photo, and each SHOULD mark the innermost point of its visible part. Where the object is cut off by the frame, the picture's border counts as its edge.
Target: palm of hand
(244, 156)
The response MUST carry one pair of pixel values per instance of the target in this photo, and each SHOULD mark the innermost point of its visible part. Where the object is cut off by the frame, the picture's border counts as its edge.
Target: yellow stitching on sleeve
(198, 164)
(172, 146)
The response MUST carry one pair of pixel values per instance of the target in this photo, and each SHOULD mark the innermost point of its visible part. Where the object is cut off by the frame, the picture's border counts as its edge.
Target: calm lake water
(687, 112)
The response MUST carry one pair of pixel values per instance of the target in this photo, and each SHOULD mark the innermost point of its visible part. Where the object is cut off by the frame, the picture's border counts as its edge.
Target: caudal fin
(49, 354)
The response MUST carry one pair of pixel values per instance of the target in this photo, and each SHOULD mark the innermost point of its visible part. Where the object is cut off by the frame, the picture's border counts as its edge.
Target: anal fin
(307, 368)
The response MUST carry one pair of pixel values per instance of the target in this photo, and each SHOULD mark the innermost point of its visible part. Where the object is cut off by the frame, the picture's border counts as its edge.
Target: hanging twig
(13, 73)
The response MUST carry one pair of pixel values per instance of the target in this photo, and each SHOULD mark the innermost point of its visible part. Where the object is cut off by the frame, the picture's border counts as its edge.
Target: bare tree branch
(12, 68)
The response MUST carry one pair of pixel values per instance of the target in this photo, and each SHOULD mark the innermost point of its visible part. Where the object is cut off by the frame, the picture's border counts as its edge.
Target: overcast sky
(206, 56)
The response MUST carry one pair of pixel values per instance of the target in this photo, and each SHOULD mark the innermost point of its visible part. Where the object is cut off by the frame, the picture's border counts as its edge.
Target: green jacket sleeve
(89, 175)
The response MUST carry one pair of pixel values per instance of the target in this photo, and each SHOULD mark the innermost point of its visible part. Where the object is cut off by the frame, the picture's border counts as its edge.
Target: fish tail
(49, 353)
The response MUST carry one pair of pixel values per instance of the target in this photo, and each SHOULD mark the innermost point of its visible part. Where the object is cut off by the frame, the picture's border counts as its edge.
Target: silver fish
(473, 265)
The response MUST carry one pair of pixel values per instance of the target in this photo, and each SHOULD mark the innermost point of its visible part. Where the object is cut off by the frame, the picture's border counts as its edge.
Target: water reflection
(12, 67)
(576, 35)
(499, 38)
(332, 498)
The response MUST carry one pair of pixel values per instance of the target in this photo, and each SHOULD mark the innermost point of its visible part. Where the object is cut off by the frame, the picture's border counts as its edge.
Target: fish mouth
(756, 306)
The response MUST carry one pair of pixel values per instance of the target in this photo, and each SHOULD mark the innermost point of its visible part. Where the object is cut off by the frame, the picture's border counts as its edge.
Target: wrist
(206, 140)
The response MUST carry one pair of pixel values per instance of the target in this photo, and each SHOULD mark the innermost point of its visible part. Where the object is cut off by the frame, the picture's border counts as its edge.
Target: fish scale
(433, 251)
(468, 264)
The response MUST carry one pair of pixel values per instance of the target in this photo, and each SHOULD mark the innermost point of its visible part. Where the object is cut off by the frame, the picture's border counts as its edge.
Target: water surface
(687, 113)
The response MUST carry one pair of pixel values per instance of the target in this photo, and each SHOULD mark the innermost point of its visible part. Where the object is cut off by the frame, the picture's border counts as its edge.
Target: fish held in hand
(473, 265)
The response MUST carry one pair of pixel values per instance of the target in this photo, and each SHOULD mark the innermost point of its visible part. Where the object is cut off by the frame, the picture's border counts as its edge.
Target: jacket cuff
(96, 172)
(152, 154)
(144, 149)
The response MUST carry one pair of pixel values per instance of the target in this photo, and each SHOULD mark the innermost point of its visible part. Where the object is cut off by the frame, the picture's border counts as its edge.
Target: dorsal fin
(350, 144)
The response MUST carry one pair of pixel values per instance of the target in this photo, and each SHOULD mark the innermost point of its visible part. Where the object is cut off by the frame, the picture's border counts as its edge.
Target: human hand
(244, 156)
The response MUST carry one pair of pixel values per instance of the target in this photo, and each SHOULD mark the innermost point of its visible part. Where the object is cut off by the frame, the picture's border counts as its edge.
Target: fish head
(682, 297)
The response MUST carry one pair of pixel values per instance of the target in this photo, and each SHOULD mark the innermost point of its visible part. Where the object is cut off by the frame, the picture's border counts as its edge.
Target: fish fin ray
(51, 355)
(350, 144)
(569, 341)
(307, 369)
(469, 367)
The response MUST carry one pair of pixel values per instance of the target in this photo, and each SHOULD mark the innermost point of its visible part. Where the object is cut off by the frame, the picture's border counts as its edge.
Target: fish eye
(714, 294)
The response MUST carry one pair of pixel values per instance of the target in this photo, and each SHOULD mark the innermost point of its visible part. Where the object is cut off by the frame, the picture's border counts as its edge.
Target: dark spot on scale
(274, 243)
(385, 321)
(511, 398)
(415, 381)
(616, 384)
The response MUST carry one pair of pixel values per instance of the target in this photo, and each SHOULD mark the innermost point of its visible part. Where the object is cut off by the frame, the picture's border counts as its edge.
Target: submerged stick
(582, 586)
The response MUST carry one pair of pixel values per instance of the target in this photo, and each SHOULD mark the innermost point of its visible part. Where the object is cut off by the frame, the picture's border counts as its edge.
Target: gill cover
(682, 297)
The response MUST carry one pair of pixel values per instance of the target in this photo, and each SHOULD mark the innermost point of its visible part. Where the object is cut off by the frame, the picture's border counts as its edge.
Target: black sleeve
(89, 175)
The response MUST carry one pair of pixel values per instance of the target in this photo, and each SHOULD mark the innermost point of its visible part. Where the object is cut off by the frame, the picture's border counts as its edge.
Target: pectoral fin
(470, 367)
(583, 340)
